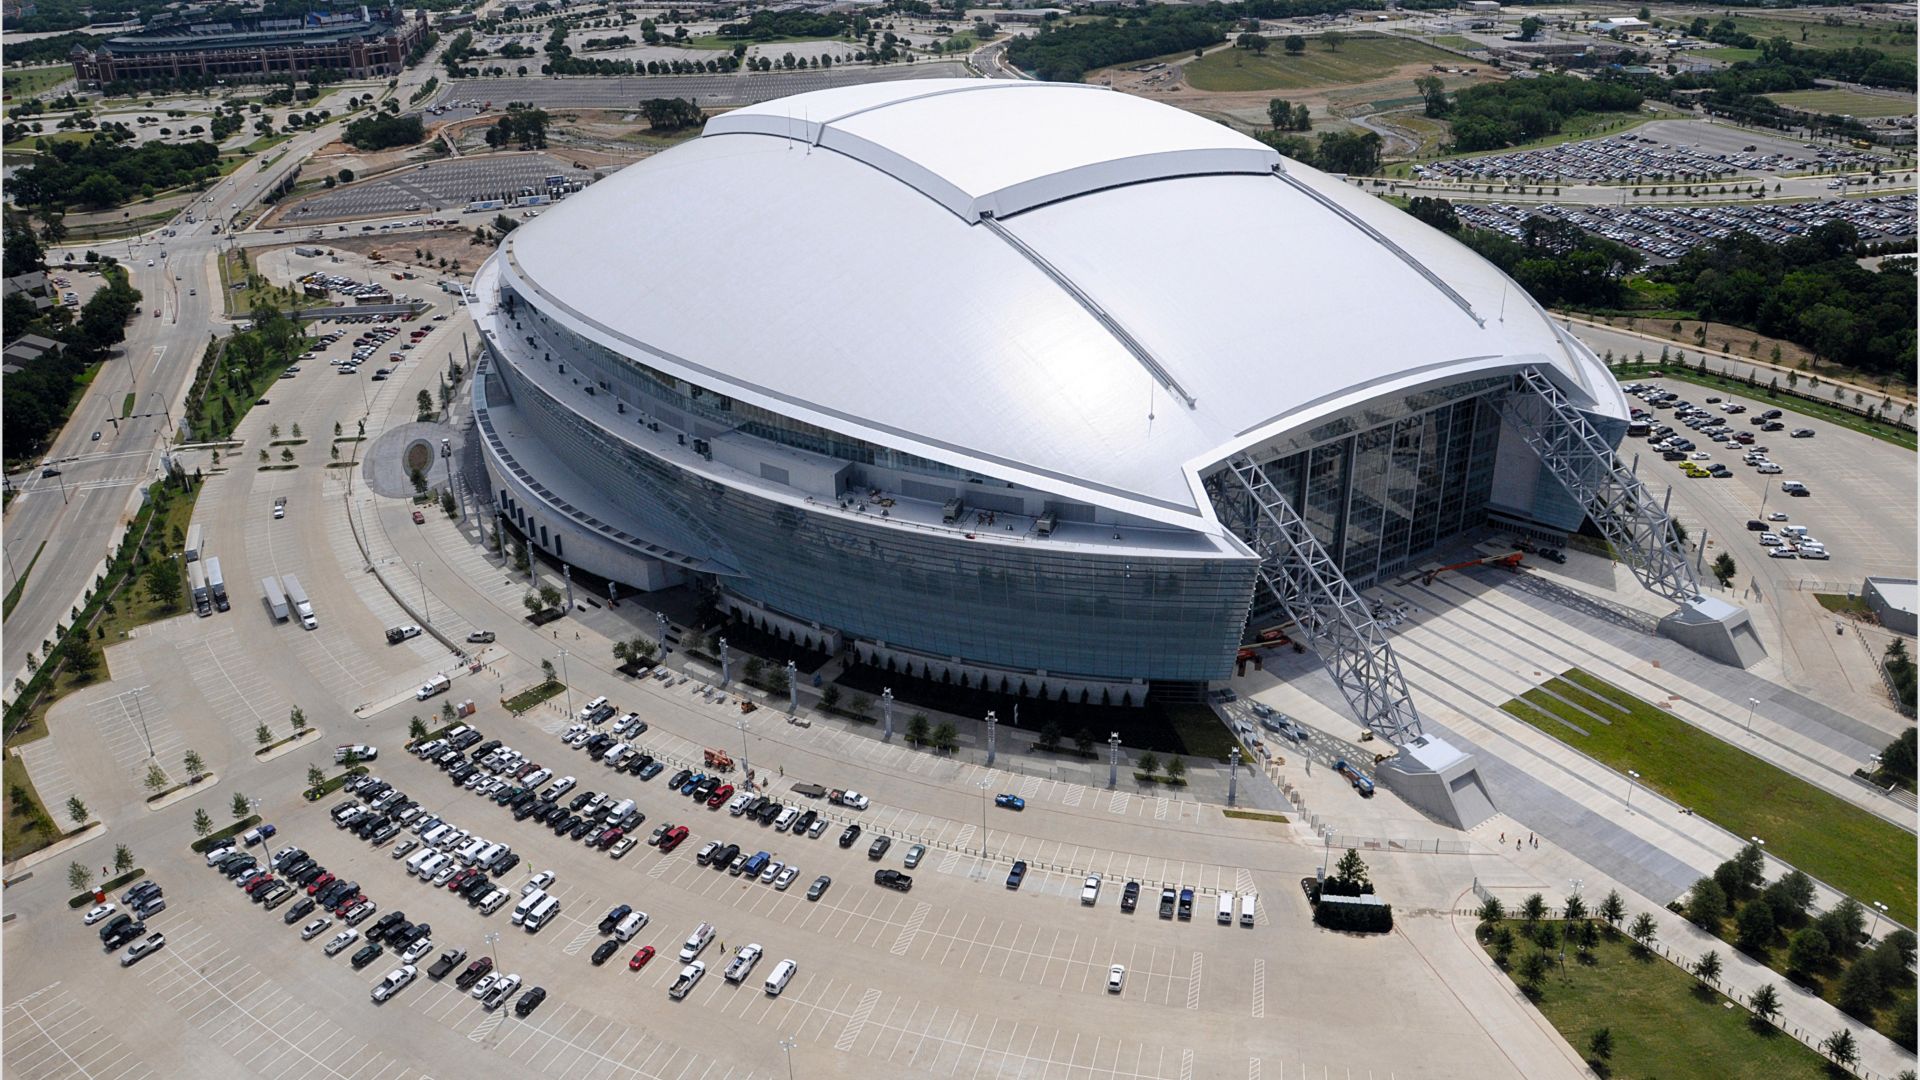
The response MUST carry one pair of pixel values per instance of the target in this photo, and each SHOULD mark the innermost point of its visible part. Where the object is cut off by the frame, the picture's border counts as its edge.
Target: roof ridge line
(972, 86)
(1385, 241)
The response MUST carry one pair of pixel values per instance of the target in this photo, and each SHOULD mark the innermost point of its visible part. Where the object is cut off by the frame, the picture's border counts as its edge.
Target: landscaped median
(212, 840)
(1809, 828)
(85, 899)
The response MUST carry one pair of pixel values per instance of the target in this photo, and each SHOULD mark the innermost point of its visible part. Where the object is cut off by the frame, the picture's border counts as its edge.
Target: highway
(77, 514)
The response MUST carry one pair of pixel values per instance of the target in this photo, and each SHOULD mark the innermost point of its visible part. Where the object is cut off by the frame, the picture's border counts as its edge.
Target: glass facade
(1022, 606)
(1387, 484)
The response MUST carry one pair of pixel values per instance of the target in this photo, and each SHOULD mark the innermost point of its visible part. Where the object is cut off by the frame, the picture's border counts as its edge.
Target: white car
(772, 871)
(219, 853)
(99, 912)
(1783, 553)
(739, 804)
(485, 984)
(417, 950)
(142, 948)
(539, 881)
(786, 878)
(1769, 468)
(341, 940)
(1116, 978)
(395, 980)
(1768, 539)
(315, 928)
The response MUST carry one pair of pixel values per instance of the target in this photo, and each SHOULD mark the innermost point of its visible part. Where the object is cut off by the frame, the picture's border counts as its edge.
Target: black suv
(1130, 899)
(848, 837)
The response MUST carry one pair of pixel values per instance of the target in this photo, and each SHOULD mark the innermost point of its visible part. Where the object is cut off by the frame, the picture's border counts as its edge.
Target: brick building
(360, 43)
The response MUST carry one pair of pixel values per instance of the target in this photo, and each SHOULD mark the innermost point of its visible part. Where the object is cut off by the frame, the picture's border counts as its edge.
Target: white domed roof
(1054, 284)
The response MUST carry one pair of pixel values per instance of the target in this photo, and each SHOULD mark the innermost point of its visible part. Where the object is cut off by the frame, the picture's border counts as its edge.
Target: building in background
(960, 395)
(360, 43)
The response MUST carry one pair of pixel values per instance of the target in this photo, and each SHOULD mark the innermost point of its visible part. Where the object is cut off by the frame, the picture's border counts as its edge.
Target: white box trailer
(197, 581)
(216, 585)
(193, 543)
(302, 607)
(276, 597)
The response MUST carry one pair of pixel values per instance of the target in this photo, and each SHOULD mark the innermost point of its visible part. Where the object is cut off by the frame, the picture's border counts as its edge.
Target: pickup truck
(689, 976)
(893, 879)
(742, 964)
(1167, 898)
(447, 962)
(850, 799)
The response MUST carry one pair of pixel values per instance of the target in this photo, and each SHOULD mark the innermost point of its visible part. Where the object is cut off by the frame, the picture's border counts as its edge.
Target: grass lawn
(23, 834)
(266, 142)
(24, 83)
(527, 699)
(1819, 410)
(1880, 37)
(715, 41)
(1664, 1022)
(26, 145)
(1461, 42)
(1728, 54)
(1842, 604)
(1846, 103)
(1854, 851)
(1359, 59)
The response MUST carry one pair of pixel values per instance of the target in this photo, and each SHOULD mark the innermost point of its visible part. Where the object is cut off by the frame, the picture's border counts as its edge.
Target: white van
(493, 901)
(489, 853)
(631, 925)
(780, 976)
(542, 914)
(1225, 915)
(415, 860)
(434, 862)
(471, 850)
(527, 904)
(1246, 909)
(433, 836)
(695, 942)
(619, 811)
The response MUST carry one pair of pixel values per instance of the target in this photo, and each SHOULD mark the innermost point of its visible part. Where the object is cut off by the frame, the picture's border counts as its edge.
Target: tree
(1176, 768)
(1755, 928)
(1533, 971)
(546, 669)
(83, 661)
(1765, 1002)
(1861, 989)
(1807, 951)
(315, 777)
(1530, 27)
(202, 823)
(262, 735)
(1706, 903)
(416, 729)
(1280, 114)
(1789, 897)
(1843, 924)
(1644, 929)
(238, 804)
(917, 728)
(1753, 871)
(79, 878)
(1613, 909)
(1435, 93)
(946, 737)
(1533, 909)
(423, 403)
(1492, 911)
(196, 766)
(1083, 741)
(1049, 736)
(1707, 968)
(551, 595)
(156, 778)
(1351, 869)
(1148, 763)
(162, 581)
(1295, 44)
(1333, 40)
(532, 602)
(297, 717)
(77, 810)
(1600, 1045)
(122, 858)
(1840, 1046)
(1502, 944)
(1724, 569)
(1576, 910)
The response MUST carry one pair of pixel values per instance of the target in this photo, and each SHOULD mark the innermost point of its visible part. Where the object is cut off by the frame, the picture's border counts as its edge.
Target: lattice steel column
(1322, 604)
(1575, 453)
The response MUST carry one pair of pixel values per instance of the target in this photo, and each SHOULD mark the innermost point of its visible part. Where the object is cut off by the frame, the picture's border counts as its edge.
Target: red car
(462, 878)
(673, 838)
(259, 882)
(419, 518)
(640, 958)
(609, 838)
(319, 883)
(720, 796)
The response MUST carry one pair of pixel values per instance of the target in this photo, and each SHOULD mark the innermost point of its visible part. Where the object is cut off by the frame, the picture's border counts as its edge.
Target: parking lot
(1648, 155)
(1668, 232)
(440, 185)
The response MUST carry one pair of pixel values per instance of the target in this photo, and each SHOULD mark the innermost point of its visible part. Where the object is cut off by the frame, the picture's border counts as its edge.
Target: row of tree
(1066, 53)
(382, 132)
(1353, 153)
(38, 397)
(1496, 114)
(1556, 261)
(105, 171)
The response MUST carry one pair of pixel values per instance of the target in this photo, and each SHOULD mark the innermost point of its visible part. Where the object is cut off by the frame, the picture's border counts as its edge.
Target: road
(77, 514)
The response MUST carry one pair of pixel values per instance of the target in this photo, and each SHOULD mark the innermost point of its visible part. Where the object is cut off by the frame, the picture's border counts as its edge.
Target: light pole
(1233, 774)
(1632, 778)
(746, 769)
(566, 681)
(1879, 909)
(426, 611)
(788, 1044)
(993, 721)
(793, 688)
(1752, 704)
(985, 782)
(492, 938)
(446, 455)
(886, 714)
(726, 663)
(141, 712)
(1113, 760)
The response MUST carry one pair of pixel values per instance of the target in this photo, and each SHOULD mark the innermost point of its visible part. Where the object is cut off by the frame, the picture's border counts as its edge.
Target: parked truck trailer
(216, 585)
(276, 597)
(302, 607)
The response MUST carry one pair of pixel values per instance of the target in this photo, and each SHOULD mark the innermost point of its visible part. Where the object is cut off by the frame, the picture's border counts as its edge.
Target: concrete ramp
(1436, 778)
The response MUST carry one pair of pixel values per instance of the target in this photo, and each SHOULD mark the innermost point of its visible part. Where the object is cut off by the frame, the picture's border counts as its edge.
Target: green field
(24, 83)
(1878, 36)
(1850, 849)
(1359, 59)
(1846, 103)
(1458, 41)
(715, 41)
(1665, 1023)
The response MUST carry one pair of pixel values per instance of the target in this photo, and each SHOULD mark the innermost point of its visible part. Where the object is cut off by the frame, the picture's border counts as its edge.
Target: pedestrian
(1503, 839)
(1516, 843)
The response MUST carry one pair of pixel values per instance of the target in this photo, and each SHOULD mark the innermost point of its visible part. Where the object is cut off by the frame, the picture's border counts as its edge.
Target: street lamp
(446, 455)
(1879, 909)
(1752, 704)
(661, 618)
(793, 688)
(426, 611)
(985, 782)
(993, 721)
(1632, 778)
(1233, 774)
(1113, 760)
(745, 768)
(566, 681)
(492, 938)
(788, 1044)
(886, 714)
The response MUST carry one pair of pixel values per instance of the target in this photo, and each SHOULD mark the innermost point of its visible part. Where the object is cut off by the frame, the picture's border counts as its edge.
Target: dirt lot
(463, 256)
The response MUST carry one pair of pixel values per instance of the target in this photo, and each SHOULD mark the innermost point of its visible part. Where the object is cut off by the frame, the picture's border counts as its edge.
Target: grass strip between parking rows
(1854, 851)
(1789, 401)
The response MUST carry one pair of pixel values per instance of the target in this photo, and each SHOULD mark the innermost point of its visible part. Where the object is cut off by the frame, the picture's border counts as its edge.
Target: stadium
(1034, 387)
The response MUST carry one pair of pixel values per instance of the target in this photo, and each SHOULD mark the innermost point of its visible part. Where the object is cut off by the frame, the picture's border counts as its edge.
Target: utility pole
(446, 455)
